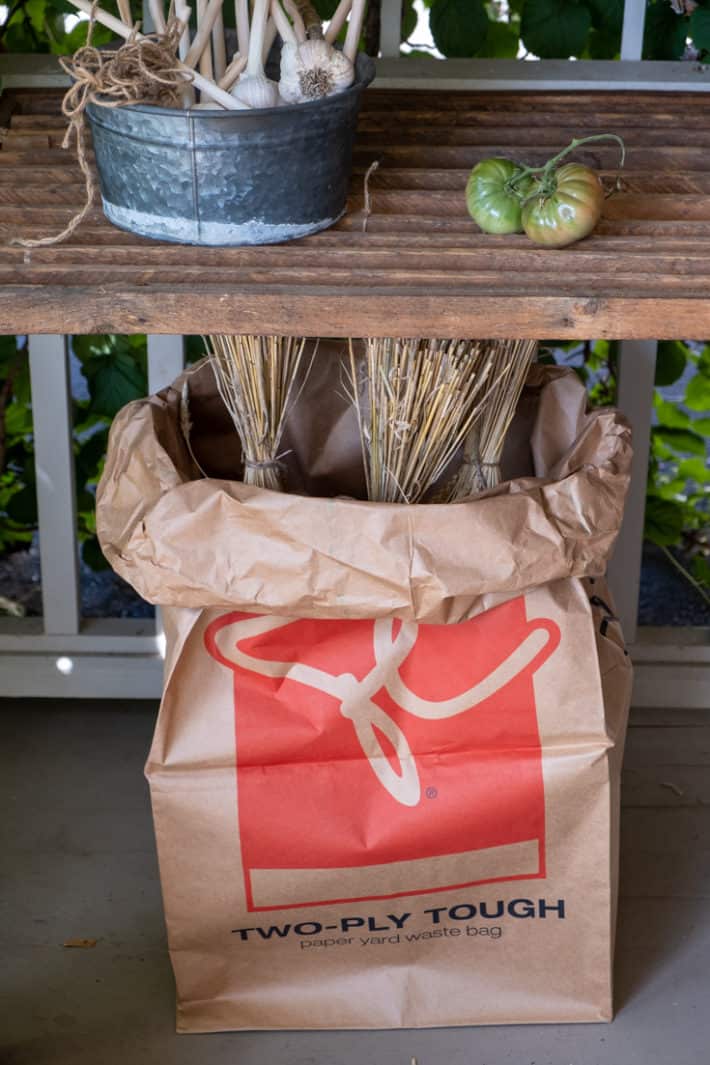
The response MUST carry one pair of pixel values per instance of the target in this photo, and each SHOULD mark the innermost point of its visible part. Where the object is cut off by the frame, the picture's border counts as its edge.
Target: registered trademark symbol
(431, 793)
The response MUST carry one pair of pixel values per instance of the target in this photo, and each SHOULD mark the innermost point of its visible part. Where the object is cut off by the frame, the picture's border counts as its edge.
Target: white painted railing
(65, 655)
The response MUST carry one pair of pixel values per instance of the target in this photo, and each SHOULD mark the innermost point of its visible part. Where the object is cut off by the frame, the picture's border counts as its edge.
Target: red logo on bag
(385, 758)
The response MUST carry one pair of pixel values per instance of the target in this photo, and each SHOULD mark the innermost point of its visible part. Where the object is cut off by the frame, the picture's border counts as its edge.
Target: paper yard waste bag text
(385, 772)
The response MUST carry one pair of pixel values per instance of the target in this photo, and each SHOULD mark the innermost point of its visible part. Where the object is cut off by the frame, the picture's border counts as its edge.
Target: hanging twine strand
(141, 71)
(367, 209)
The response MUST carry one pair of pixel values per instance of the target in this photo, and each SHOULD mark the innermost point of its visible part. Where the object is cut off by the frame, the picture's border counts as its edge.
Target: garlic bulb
(256, 90)
(253, 87)
(313, 69)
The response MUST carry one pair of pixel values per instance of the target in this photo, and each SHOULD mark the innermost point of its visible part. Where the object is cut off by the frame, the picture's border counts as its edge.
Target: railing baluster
(632, 32)
(56, 498)
(390, 28)
(166, 358)
(636, 375)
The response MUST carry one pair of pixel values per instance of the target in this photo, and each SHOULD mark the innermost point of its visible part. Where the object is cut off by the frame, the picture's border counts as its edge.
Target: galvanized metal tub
(228, 177)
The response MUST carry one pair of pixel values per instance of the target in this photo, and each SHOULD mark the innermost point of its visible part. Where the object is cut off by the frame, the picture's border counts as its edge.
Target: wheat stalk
(510, 361)
(256, 377)
(416, 402)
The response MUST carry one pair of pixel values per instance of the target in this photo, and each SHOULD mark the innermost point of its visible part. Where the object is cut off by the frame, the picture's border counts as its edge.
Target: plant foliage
(678, 490)
(560, 29)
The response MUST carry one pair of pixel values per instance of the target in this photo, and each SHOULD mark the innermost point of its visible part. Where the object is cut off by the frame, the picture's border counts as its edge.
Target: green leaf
(502, 41)
(702, 425)
(671, 361)
(555, 29)
(194, 348)
(114, 380)
(602, 44)
(22, 507)
(664, 32)
(93, 556)
(699, 29)
(89, 457)
(87, 348)
(700, 568)
(681, 440)
(607, 15)
(669, 414)
(664, 521)
(18, 421)
(36, 10)
(694, 470)
(325, 8)
(409, 19)
(697, 394)
(459, 27)
(669, 489)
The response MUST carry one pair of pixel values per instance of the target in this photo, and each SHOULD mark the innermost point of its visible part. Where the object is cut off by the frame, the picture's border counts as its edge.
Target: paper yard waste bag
(385, 772)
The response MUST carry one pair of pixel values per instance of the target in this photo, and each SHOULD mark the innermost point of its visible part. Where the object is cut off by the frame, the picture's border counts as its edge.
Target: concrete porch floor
(78, 860)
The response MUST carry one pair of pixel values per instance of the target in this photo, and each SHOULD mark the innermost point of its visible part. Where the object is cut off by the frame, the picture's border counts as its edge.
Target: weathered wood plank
(365, 280)
(215, 308)
(419, 261)
(422, 262)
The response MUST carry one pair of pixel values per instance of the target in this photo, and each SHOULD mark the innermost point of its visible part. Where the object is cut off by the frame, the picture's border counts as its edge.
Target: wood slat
(464, 261)
(421, 264)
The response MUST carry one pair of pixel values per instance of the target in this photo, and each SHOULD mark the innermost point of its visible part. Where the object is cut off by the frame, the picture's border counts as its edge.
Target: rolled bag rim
(314, 557)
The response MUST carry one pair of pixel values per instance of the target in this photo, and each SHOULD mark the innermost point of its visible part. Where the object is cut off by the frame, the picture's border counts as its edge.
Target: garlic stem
(338, 20)
(284, 27)
(124, 10)
(241, 11)
(201, 43)
(232, 72)
(122, 30)
(352, 37)
(253, 87)
(255, 63)
(157, 14)
(269, 38)
(182, 13)
(219, 47)
(298, 24)
(205, 21)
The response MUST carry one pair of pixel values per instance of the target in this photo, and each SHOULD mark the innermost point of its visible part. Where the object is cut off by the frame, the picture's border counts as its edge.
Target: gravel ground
(102, 594)
(667, 598)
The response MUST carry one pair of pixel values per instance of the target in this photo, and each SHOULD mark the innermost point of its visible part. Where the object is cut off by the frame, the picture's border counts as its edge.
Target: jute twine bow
(141, 71)
(482, 480)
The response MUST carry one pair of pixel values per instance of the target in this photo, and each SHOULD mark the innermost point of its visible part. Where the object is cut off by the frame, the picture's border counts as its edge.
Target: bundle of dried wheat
(419, 402)
(416, 401)
(256, 377)
(510, 361)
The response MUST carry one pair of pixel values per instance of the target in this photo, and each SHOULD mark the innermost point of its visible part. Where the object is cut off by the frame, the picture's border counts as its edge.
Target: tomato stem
(547, 169)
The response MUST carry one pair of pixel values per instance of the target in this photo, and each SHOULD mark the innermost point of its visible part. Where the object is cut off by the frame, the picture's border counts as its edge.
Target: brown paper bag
(385, 772)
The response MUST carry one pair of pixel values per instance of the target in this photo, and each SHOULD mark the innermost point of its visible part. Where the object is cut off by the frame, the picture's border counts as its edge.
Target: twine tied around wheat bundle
(144, 71)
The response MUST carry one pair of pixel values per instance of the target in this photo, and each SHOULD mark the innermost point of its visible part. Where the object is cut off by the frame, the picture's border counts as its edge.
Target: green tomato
(493, 202)
(565, 208)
